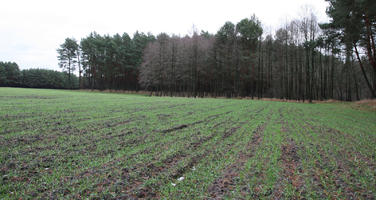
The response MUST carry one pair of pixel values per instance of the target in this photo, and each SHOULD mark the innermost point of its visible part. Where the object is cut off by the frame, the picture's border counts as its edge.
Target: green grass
(64, 144)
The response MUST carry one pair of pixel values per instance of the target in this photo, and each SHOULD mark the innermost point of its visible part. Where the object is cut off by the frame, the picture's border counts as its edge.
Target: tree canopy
(302, 60)
(354, 23)
(12, 76)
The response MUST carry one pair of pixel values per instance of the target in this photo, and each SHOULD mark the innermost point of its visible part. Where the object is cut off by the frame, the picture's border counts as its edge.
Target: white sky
(32, 30)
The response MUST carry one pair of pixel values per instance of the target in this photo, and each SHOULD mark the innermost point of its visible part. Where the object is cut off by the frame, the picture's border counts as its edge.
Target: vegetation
(41, 78)
(354, 24)
(68, 53)
(303, 60)
(64, 144)
(67, 144)
(113, 62)
(11, 76)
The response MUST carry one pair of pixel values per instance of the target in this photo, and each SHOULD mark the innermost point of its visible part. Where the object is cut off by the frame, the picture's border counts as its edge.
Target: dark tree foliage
(112, 62)
(302, 60)
(42, 78)
(174, 65)
(9, 74)
(354, 23)
(69, 57)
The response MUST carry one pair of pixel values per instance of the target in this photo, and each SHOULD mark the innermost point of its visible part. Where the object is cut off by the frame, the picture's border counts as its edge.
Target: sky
(32, 30)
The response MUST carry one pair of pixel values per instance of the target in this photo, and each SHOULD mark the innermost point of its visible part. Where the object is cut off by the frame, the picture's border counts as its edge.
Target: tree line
(12, 76)
(105, 62)
(303, 60)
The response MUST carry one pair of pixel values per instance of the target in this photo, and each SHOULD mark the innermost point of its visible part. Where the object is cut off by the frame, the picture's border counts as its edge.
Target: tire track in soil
(56, 130)
(31, 116)
(182, 126)
(317, 171)
(46, 162)
(60, 131)
(344, 163)
(49, 138)
(132, 154)
(221, 187)
(88, 148)
(291, 163)
(44, 121)
(105, 166)
(147, 192)
(109, 166)
(291, 168)
(138, 190)
(334, 134)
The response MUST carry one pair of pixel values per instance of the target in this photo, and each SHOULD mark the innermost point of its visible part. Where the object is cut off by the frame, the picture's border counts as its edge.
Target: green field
(78, 145)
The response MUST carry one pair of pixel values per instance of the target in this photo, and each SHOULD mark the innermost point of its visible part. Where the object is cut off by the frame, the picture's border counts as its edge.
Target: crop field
(64, 144)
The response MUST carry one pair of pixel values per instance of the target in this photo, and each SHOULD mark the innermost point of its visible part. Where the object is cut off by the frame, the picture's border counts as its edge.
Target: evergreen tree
(68, 56)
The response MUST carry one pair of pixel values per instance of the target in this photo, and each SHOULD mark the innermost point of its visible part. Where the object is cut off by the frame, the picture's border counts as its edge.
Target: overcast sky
(32, 30)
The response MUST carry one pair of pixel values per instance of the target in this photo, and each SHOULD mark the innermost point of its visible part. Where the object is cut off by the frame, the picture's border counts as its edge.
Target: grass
(64, 144)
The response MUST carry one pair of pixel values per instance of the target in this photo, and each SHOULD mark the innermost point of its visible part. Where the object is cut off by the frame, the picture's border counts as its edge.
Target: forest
(12, 76)
(302, 60)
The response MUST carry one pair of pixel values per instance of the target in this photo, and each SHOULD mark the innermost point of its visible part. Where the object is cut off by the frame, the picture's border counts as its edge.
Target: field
(77, 145)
